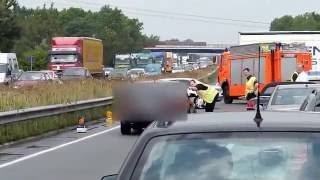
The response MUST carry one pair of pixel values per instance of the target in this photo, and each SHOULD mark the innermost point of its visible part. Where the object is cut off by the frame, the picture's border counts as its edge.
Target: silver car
(290, 97)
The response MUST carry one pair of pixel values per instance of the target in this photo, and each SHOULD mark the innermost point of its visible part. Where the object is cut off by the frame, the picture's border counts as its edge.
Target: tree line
(306, 22)
(28, 32)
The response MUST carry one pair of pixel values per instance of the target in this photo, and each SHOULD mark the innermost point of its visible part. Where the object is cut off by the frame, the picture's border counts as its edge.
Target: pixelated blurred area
(150, 101)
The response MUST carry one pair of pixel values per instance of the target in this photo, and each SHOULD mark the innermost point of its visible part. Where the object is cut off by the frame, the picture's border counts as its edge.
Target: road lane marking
(56, 148)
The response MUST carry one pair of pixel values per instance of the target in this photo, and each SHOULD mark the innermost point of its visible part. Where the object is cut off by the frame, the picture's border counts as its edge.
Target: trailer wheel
(226, 98)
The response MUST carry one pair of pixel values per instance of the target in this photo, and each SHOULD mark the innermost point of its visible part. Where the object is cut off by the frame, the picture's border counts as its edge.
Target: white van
(9, 67)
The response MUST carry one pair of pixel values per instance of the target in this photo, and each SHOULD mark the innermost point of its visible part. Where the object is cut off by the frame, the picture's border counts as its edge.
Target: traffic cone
(109, 120)
(82, 125)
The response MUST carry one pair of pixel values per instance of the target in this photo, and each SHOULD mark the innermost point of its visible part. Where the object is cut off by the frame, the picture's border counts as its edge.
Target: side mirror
(110, 177)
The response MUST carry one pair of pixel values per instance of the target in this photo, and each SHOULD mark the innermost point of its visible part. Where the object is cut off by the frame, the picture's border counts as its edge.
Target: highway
(74, 156)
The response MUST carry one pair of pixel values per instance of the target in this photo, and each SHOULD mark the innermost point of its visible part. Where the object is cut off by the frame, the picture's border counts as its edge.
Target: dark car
(266, 93)
(139, 104)
(76, 73)
(220, 146)
(31, 78)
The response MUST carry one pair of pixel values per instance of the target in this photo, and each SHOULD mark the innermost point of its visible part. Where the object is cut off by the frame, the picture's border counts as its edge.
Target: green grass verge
(211, 78)
(20, 130)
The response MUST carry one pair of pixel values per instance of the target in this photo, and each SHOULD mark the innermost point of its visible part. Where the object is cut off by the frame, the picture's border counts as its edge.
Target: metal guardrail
(46, 111)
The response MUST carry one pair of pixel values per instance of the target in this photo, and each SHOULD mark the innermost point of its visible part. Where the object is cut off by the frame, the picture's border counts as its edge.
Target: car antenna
(258, 118)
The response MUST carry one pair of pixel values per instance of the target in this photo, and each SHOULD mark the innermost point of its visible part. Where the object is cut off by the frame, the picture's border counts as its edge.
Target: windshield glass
(153, 68)
(268, 91)
(3, 68)
(107, 69)
(74, 72)
(262, 156)
(122, 61)
(144, 60)
(28, 76)
(290, 96)
(63, 58)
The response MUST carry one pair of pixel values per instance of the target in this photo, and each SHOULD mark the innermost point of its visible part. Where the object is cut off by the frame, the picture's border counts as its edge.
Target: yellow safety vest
(208, 95)
(250, 86)
(292, 76)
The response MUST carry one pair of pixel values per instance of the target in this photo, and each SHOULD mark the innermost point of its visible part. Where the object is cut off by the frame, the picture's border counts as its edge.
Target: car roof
(34, 72)
(273, 84)
(239, 122)
(76, 68)
(293, 86)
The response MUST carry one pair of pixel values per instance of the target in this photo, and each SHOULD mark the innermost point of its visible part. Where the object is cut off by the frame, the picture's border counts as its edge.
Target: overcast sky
(196, 19)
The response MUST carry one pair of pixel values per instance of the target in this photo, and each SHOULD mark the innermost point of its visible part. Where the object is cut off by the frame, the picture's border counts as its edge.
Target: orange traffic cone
(109, 120)
(82, 125)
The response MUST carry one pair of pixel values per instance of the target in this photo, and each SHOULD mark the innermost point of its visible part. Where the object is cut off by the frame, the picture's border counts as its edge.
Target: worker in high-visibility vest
(251, 90)
(208, 94)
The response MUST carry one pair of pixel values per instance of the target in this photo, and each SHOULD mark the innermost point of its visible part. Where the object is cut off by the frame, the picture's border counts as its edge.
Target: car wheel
(138, 130)
(125, 129)
(226, 98)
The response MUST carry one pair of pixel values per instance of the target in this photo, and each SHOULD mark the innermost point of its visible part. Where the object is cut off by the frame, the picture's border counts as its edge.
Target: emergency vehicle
(277, 63)
(310, 38)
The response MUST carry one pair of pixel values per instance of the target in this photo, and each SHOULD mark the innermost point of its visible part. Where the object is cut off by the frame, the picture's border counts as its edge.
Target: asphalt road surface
(74, 156)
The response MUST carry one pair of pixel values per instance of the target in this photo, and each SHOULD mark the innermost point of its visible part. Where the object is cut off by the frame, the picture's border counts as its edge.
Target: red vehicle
(278, 62)
(76, 52)
(31, 78)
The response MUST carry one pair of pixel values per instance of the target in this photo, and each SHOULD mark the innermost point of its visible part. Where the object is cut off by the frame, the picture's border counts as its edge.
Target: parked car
(107, 71)
(52, 75)
(177, 69)
(222, 146)
(118, 74)
(136, 72)
(153, 69)
(31, 78)
(188, 67)
(203, 64)
(290, 97)
(76, 73)
(195, 66)
(266, 93)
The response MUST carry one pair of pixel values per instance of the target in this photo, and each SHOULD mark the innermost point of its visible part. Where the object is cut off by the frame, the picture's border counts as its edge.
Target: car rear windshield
(74, 72)
(32, 76)
(290, 96)
(232, 156)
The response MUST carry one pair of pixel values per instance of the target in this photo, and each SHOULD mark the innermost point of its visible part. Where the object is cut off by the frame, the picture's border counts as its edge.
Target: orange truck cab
(277, 64)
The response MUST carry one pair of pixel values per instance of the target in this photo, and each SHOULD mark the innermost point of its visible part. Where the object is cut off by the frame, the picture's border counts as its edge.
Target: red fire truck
(277, 63)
